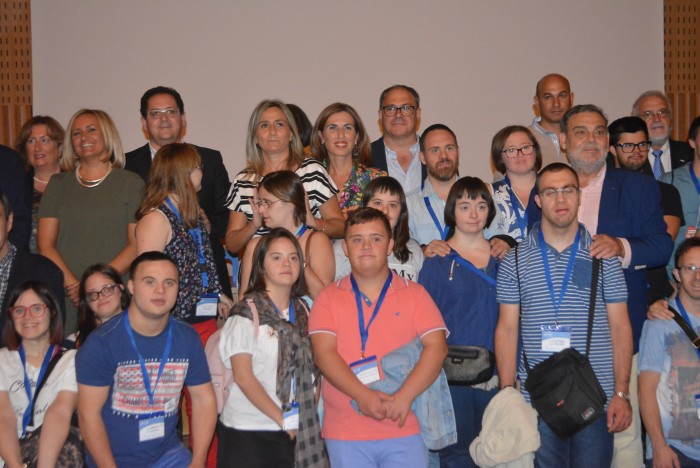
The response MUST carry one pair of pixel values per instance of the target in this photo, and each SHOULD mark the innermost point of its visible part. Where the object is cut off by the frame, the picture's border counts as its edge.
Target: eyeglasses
(107, 291)
(526, 150)
(43, 140)
(567, 191)
(406, 110)
(37, 310)
(158, 113)
(266, 203)
(661, 113)
(200, 167)
(629, 147)
(689, 268)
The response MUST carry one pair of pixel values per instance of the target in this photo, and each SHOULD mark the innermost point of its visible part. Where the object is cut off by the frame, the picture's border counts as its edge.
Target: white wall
(474, 62)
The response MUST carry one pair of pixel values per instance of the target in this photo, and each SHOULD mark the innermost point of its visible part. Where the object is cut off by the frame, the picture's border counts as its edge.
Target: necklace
(90, 183)
(43, 182)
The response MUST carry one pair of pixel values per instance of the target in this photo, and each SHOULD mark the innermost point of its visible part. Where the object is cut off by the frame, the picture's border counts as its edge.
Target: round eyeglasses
(106, 291)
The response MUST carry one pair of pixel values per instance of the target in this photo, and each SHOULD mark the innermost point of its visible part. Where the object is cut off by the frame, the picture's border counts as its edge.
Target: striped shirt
(537, 308)
(317, 183)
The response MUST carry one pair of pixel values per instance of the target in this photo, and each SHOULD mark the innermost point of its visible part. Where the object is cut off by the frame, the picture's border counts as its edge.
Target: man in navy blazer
(622, 209)
(163, 120)
(14, 182)
(397, 150)
(655, 108)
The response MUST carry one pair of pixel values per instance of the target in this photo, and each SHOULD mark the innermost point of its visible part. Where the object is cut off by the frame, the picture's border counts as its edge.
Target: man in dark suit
(397, 151)
(622, 209)
(14, 182)
(666, 155)
(163, 119)
(17, 266)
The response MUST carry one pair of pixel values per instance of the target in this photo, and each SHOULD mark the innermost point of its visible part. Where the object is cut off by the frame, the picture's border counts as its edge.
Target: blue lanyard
(694, 178)
(521, 220)
(144, 372)
(196, 234)
(684, 314)
(470, 266)
(364, 331)
(300, 232)
(27, 386)
(291, 310)
(442, 230)
(567, 274)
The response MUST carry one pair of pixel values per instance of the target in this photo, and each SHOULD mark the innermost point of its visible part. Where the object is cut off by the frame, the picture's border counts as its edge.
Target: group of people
(363, 267)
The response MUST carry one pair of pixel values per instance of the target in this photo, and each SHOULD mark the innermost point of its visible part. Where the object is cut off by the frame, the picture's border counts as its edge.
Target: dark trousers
(254, 449)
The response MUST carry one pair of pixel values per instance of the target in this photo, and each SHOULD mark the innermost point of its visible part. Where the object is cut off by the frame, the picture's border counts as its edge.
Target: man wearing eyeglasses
(666, 155)
(553, 97)
(164, 121)
(397, 150)
(17, 266)
(622, 211)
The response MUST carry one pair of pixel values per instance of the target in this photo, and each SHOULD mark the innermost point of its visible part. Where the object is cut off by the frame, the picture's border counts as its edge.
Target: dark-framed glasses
(106, 291)
(661, 113)
(36, 310)
(156, 114)
(406, 110)
(525, 150)
(567, 191)
(629, 147)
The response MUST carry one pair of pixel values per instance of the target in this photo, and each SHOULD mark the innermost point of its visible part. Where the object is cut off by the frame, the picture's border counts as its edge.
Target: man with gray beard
(622, 209)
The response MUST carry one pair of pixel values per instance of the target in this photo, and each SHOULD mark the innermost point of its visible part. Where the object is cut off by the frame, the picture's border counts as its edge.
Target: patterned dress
(350, 198)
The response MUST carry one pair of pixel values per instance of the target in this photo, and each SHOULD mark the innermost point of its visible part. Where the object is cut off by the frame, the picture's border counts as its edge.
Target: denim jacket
(433, 408)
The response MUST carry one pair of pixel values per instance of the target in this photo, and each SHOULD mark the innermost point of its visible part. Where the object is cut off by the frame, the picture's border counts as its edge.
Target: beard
(444, 173)
(583, 166)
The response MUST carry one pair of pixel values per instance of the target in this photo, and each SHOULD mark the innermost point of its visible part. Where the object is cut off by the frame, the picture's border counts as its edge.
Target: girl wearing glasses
(281, 204)
(339, 140)
(273, 144)
(102, 296)
(33, 333)
(516, 154)
(266, 343)
(463, 286)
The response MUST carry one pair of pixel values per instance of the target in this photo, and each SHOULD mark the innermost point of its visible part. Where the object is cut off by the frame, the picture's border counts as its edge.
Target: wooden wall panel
(681, 62)
(15, 68)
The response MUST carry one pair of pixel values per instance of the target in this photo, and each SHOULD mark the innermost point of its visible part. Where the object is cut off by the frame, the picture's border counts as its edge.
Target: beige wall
(474, 62)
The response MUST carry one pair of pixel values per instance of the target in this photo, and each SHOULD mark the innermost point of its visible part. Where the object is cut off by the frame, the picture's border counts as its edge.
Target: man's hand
(665, 457)
(372, 404)
(436, 247)
(73, 293)
(499, 248)
(659, 310)
(399, 409)
(619, 414)
(604, 246)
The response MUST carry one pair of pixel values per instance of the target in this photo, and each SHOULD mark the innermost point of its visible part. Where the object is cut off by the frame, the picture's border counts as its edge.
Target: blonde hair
(254, 157)
(170, 174)
(110, 134)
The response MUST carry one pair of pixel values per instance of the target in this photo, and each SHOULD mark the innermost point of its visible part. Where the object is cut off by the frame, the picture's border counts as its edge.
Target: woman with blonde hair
(87, 213)
(340, 141)
(273, 144)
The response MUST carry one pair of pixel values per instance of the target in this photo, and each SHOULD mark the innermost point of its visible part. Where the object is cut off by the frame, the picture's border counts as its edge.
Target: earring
(355, 151)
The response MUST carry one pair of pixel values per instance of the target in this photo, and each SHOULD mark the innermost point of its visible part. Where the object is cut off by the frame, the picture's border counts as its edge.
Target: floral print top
(350, 197)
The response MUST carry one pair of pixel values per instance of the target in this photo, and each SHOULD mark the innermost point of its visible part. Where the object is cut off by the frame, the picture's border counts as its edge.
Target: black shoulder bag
(563, 388)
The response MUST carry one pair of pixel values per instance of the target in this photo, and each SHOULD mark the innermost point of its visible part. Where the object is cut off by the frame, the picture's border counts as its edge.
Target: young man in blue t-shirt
(129, 420)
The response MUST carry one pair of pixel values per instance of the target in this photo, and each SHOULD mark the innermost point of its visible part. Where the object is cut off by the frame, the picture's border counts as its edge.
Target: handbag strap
(52, 364)
(692, 336)
(591, 305)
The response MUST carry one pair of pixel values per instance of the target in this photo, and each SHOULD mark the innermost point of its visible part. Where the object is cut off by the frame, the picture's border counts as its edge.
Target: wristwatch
(624, 395)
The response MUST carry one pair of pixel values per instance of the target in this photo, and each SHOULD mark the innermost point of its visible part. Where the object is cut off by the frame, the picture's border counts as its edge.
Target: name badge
(151, 428)
(697, 404)
(170, 405)
(555, 338)
(290, 417)
(367, 370)
(690, 232)
(206, 307)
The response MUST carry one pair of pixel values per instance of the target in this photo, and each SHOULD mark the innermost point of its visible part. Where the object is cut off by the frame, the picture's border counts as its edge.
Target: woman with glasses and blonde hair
(40, 144)
(281, 204)
(33, 357)
(273, 144)
(339, 140)
(87, 213)
(515, 153)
